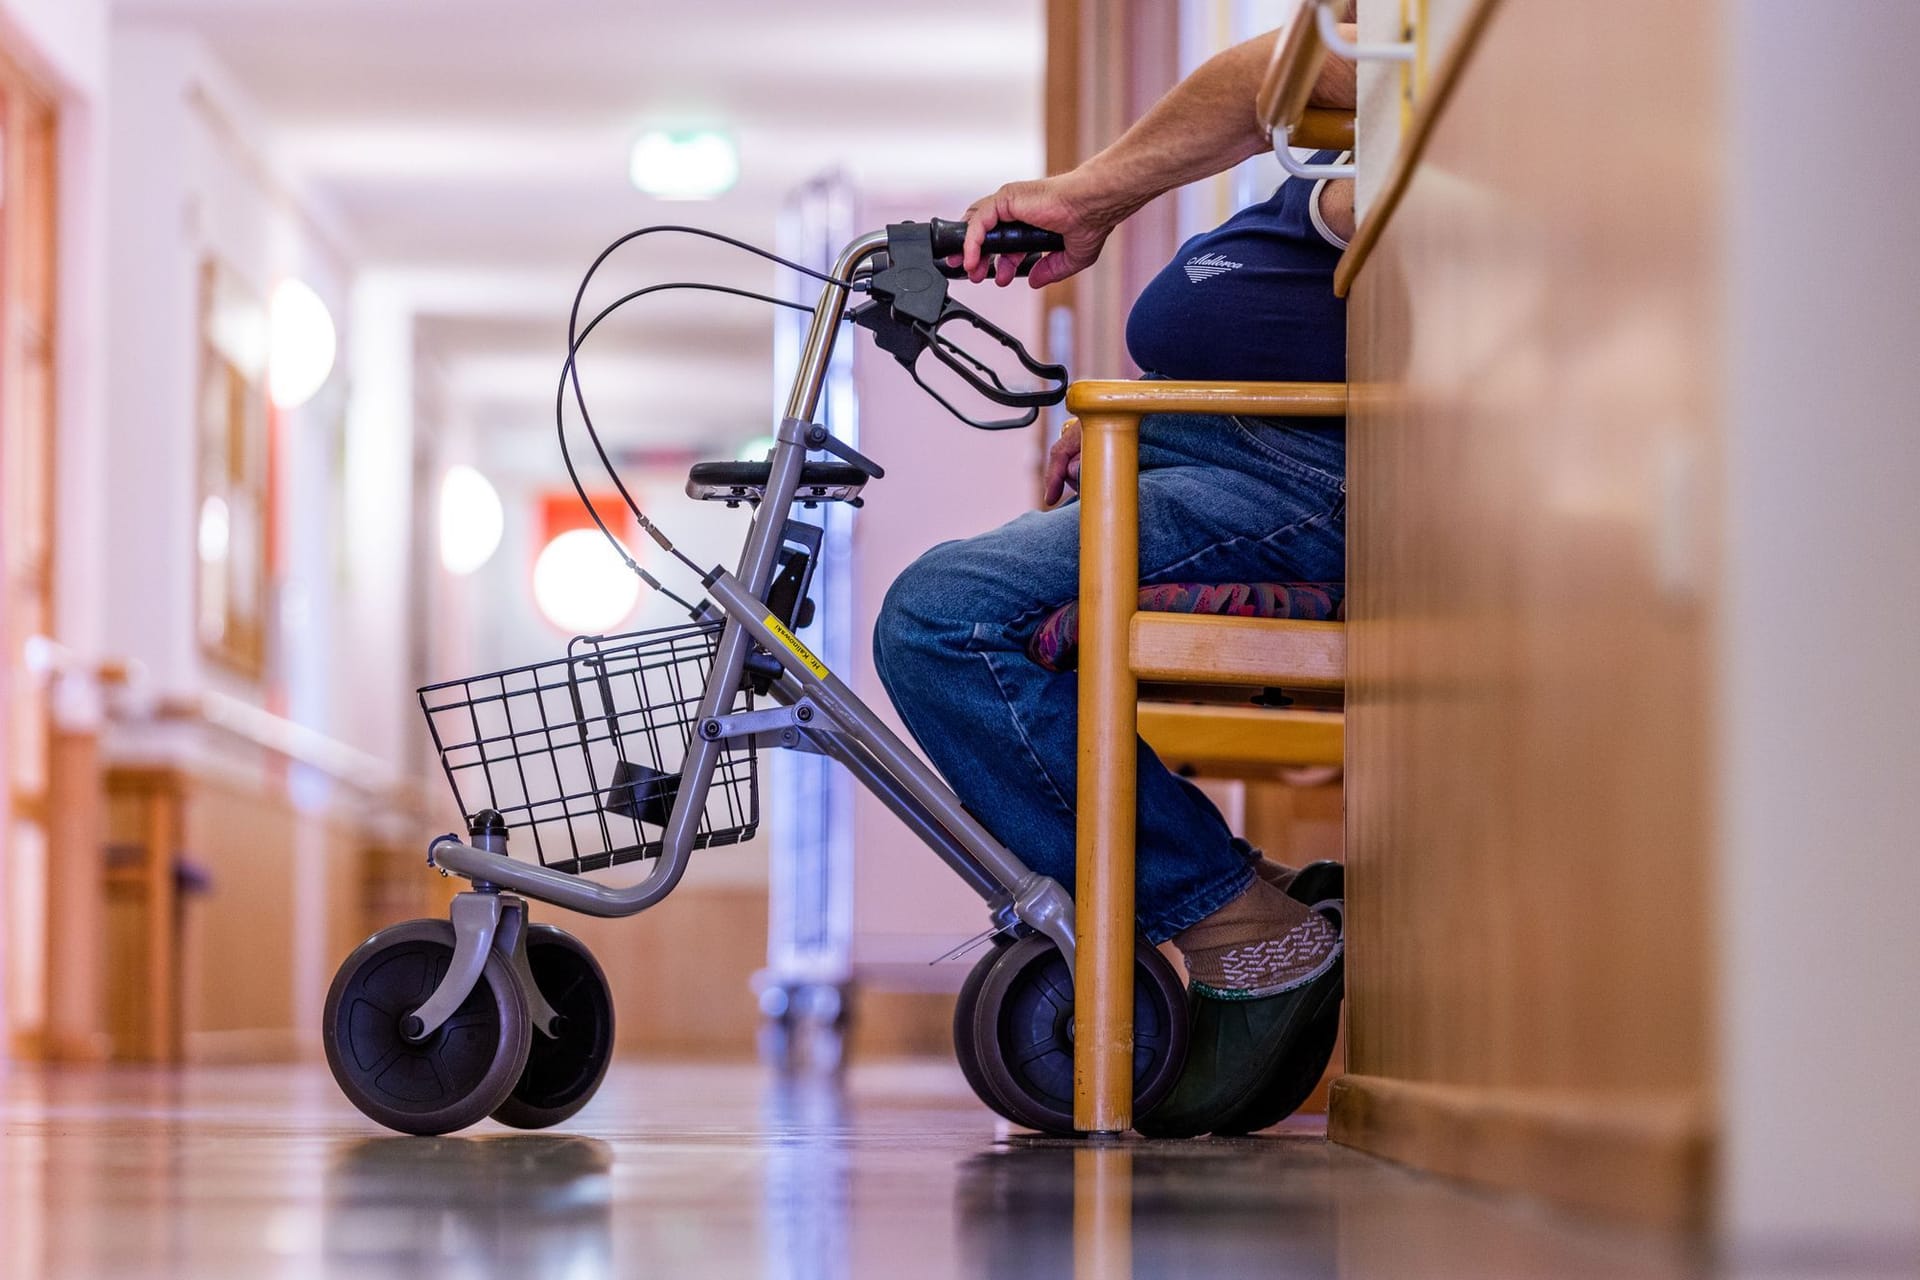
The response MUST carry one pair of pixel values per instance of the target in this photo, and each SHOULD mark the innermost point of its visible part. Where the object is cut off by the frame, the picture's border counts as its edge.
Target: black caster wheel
(453, 1078)
(563, 1070)
(965, 1044)
(1023, 1032)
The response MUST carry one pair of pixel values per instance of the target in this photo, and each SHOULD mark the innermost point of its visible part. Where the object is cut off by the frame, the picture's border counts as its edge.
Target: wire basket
(584, 753)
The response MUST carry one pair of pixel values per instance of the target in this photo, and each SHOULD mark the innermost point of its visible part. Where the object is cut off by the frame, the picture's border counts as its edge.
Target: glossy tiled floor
(716, 1171)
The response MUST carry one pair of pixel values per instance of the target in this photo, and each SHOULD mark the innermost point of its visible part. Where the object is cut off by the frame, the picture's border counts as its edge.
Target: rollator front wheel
(1022, 1032)
(454, 1077)
(563, 1070)
(966, 1046)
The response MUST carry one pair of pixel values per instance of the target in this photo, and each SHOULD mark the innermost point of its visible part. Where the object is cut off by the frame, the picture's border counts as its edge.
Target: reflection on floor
(717, 1171)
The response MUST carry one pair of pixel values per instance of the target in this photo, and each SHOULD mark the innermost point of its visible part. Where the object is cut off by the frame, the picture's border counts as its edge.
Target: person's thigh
(1218, 503)
(1222, 500)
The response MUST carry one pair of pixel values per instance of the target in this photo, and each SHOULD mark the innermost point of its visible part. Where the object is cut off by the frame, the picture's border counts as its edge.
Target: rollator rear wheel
(457, 1075)
(563, 1070)
(1022, 1032)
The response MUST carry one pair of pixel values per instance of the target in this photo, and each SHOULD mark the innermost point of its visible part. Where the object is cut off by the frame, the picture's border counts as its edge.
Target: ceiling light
(471, 520)
(697, 165)
(301, 344)
(581, 584)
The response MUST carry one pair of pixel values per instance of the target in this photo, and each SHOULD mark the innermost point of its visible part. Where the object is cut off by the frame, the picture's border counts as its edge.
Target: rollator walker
(644, 746)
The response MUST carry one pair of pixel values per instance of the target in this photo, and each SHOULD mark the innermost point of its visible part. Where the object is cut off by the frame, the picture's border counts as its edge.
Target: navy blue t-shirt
(1253, 298)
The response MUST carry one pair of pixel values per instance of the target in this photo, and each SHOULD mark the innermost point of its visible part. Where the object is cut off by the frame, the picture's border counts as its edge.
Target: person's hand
(1063, 463)
(1064, 204)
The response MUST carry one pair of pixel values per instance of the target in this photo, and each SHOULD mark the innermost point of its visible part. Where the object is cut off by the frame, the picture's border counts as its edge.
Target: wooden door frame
(66, 802)
(1107, 61)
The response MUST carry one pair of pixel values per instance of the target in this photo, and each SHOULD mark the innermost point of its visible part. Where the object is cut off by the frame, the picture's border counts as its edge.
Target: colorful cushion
(1056, 645)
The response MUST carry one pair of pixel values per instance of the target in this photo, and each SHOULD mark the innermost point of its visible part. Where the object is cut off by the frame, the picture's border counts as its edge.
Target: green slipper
(1252, 1062)
(1323, 885)
(1318, 882)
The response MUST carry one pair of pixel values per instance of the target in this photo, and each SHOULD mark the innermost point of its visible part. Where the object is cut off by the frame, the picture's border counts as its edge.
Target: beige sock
(1260, 944)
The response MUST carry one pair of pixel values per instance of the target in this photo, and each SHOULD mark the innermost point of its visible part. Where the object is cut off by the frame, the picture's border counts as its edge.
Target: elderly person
(1222, 499)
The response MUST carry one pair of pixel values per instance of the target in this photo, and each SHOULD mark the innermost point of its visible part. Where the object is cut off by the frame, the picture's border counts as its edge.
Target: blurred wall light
(216, 530)
(581, 585)
(684, 166)
(302, 344)
(471, 520)
(757, 449)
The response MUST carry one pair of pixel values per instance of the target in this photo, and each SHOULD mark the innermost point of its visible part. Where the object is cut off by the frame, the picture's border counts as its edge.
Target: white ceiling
(484, 143)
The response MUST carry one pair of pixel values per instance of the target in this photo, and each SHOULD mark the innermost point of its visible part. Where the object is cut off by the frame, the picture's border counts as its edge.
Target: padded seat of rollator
(1056, 645)
(745, 478)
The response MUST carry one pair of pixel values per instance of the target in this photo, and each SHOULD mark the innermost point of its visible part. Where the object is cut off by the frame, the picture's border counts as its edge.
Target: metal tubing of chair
(1283, 152)
(1104, 834)
(1329, 29)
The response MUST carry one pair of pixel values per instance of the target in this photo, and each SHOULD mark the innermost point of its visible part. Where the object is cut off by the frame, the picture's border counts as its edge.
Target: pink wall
(943, 481)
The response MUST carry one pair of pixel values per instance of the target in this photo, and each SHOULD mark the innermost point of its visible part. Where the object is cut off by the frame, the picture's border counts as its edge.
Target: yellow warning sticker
(794, 647)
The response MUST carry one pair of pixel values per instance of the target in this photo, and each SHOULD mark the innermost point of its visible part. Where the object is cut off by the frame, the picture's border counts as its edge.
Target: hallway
(719, 1171)
(1509, 521)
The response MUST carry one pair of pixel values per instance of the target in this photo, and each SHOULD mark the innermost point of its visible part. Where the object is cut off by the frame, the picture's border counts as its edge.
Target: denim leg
(1220, 500)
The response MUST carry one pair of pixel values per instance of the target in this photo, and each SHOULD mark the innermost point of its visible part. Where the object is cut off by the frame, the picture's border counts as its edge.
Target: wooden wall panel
(681, 973)
(244, 843)
(1529, 563)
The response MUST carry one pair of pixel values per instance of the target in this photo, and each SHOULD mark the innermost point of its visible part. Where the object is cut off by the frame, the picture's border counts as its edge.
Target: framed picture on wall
(234, 516)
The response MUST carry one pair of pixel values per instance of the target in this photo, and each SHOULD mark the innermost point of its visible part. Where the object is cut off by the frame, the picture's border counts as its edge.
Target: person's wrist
(1099, 194)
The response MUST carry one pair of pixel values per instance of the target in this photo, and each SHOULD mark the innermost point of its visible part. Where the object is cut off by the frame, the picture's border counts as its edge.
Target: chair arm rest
(1264, 399)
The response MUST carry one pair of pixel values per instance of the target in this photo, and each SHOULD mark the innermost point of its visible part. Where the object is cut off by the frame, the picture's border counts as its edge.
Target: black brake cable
(569, 374)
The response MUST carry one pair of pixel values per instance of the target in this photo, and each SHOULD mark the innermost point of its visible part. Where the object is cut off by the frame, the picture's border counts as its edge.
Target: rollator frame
(817, 712)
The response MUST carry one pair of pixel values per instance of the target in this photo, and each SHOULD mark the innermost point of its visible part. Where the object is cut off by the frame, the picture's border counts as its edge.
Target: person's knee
(947, 601)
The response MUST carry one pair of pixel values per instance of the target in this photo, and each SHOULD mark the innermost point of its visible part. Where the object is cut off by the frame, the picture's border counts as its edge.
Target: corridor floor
(718, 1171)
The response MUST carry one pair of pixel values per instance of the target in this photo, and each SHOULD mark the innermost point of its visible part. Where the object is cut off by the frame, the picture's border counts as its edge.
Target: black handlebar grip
(950, 238)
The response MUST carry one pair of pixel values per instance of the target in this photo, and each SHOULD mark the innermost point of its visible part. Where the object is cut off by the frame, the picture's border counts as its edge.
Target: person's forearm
(1205, 125)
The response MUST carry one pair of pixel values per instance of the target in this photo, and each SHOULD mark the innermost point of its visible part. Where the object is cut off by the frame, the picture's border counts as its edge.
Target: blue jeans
(1222, 499)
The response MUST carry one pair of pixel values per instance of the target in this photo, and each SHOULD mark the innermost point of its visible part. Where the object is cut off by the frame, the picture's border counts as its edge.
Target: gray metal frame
(817, 712)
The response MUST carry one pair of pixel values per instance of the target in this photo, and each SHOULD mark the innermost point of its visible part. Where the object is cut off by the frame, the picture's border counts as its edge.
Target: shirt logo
(1209, 265)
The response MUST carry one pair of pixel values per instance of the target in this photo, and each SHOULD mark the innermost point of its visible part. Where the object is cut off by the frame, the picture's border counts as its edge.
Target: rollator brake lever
(910, 307)
(984, 379)
(906, 339)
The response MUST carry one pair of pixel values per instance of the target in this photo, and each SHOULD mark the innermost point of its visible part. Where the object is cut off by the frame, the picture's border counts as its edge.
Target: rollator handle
(950, 237)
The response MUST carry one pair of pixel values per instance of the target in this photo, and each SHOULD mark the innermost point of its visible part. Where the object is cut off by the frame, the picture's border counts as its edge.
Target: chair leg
(1104, 894)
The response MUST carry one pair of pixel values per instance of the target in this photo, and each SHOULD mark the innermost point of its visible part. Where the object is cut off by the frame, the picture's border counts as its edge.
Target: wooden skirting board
(1646, 1159)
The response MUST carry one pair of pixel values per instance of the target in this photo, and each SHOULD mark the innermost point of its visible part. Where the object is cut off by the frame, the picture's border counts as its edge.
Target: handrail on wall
(1284, 94)
(1436, 91)
(254, 725)
(1329, 28)
(1282, 103)
(289, 739)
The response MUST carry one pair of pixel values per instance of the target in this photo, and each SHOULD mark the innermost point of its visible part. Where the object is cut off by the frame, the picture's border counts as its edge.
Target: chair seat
(1056, 645)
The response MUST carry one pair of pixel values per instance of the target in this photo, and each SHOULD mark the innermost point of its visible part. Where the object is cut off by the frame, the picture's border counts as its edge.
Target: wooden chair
(1119, 647)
